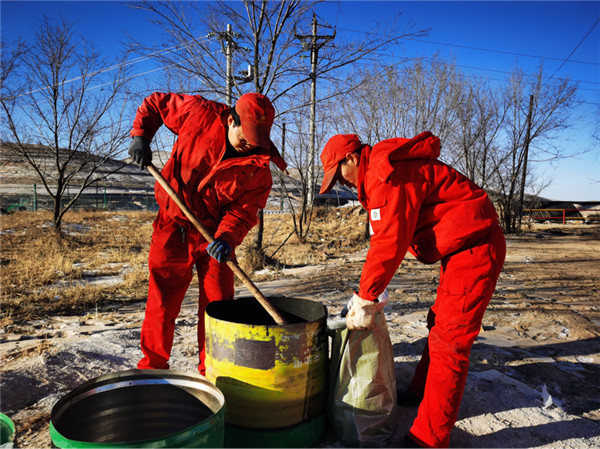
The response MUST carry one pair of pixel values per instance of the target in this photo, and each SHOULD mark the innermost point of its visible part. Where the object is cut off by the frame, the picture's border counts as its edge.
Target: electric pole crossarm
(230, 45)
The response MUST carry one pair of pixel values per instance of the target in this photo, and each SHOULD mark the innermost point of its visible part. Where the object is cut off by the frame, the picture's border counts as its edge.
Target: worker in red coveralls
(419, 204)
(219, 166)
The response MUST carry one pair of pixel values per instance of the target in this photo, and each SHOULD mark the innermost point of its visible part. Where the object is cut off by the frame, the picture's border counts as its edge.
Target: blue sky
(486, 38)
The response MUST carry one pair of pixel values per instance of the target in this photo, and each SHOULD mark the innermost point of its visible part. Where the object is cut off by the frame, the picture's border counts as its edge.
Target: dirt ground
(534, 373)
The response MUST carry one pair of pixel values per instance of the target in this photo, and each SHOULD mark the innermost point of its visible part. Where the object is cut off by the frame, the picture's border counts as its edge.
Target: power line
(575, 49)
(390, 55)
(486, 78)
(468, 47)
(116, 66)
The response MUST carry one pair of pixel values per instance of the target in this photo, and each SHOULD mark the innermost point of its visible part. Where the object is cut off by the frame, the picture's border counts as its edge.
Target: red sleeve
(241, 215)
(393, 214)
(158, 109)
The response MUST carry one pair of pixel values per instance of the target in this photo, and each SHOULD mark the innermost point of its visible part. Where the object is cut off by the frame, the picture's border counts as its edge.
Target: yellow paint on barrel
(271, 375)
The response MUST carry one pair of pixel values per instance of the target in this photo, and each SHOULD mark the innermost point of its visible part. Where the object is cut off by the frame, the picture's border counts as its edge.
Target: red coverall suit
(225, 195)
(419, 204)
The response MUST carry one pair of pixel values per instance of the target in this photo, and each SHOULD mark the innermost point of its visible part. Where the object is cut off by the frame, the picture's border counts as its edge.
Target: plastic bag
(362, 393)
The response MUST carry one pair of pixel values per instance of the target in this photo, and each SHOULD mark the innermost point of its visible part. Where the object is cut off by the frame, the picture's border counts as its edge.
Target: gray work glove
(140, 152)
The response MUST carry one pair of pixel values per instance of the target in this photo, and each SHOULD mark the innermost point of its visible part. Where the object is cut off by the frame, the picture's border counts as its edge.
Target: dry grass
(332, 232)
(43, 273)
(46, 273)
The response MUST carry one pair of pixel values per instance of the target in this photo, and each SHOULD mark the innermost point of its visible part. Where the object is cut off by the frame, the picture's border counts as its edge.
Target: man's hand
(220, 250)
(140, 152)
(361, 316)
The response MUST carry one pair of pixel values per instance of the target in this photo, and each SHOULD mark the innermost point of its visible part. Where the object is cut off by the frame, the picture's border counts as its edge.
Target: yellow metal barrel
(272, 376)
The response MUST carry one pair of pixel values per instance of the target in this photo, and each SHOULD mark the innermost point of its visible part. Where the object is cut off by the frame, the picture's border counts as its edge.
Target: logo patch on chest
(375, 214)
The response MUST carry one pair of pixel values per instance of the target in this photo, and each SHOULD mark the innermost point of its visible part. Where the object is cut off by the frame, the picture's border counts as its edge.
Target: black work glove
(140, 152)
(220, 250)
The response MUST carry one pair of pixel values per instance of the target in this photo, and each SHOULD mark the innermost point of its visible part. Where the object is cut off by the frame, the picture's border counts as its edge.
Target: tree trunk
(56, 215)
(257, 245)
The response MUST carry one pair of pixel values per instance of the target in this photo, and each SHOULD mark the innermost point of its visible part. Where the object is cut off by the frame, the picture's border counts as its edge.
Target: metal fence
(115, 198)
(101, 198)
(562, 215)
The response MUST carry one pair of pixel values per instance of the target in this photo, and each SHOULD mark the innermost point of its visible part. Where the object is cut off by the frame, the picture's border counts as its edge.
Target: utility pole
(283, 156)
(229, 56)
(313, 42)
(526, 156)
(230, 46)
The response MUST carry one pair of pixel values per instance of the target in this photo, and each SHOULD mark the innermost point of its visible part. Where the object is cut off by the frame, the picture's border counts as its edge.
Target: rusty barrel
(273, 377)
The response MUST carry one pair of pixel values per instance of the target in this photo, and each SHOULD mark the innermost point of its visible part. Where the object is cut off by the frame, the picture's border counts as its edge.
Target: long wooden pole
(231, 263)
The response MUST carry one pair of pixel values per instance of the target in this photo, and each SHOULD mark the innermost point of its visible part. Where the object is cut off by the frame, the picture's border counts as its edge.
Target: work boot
(407, 398)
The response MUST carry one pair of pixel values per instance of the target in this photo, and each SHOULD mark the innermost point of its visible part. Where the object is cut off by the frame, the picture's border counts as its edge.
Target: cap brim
(328, 180)
(259, 137)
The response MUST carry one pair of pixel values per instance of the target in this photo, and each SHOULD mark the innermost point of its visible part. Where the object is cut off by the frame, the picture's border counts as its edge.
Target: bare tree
(473, 146)
(256, 35)
(402, 101)
(64, 108)
(197, 41)
(484, 131)
(11, 56)
(298, 142)
(431, 89)
(551, 105)
(374, 109)
(262, 38)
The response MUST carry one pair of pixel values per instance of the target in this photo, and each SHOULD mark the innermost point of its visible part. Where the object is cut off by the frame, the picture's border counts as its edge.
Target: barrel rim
(275, 298)
(4, 419)
(122, 379)
(103, 382)
(170, 440)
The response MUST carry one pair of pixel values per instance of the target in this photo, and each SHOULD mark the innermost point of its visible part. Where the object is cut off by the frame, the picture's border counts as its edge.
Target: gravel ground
(534, 371)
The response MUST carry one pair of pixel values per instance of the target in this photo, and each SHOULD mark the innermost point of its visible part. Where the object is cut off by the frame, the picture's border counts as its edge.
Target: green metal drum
(274, 377)
(140, 408)
(7, 431)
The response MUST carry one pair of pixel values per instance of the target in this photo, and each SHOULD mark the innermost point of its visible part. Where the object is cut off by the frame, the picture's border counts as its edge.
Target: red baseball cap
(256, 114)
(334, 152)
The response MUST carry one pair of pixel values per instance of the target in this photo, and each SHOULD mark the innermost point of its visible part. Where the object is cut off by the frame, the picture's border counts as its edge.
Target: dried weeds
(48, 273)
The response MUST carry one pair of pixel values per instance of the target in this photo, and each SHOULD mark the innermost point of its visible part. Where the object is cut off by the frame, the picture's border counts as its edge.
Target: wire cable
(575, 49)
(468, 47)
(116, 66)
